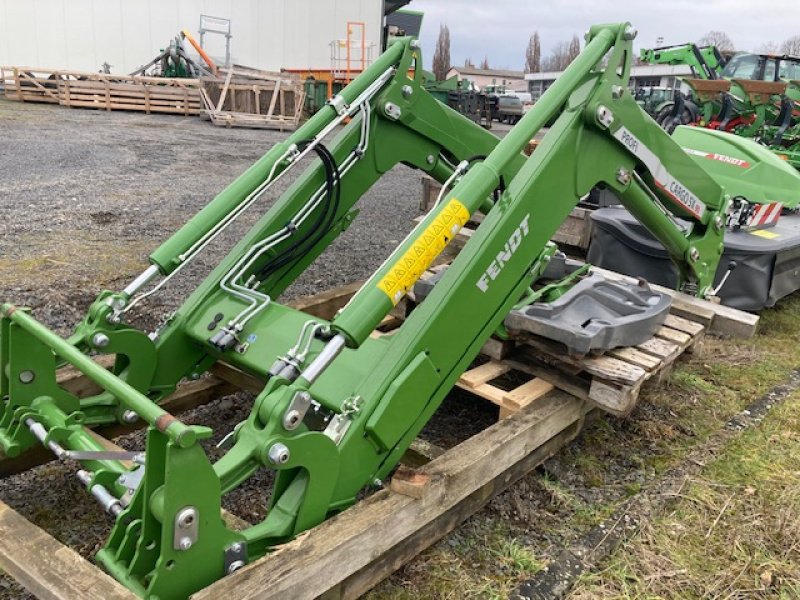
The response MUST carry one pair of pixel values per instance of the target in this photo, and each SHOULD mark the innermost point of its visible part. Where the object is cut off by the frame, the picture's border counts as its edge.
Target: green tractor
(751, 95)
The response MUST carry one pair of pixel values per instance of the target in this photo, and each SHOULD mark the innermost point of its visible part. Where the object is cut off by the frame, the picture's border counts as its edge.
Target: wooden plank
(691, 327)
(726, 321)
(460, 482)
(326, 304)
(636, 357)
(678, 338)
(526, 393)
(605, 367)
(238, 378)
(362, 581)
(487, 391)
(47, 568)
(483, 374)
(224, 91)
(660, 348)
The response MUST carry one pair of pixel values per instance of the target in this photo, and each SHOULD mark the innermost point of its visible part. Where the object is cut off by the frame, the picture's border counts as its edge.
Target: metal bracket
(131, 481)
(337, 428)
(339, 105)
(296, 411)
(186, 526)
(235, 557)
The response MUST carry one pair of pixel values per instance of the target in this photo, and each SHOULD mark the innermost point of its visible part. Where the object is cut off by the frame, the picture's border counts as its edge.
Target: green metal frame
(339, 417)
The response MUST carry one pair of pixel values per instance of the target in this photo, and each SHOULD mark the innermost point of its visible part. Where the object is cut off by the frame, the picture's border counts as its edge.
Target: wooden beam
(460, 480)
(47, 568)
(726, 321)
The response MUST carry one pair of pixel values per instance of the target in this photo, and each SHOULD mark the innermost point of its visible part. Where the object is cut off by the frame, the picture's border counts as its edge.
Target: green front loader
(338, 407)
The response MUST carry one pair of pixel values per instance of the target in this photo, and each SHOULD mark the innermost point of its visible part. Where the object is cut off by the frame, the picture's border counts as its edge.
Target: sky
(500, 29)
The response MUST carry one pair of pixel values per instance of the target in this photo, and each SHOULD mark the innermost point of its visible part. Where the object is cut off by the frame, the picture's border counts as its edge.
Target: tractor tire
(667, 123)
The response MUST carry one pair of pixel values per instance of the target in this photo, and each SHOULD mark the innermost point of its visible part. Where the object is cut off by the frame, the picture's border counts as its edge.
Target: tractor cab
(762, 67)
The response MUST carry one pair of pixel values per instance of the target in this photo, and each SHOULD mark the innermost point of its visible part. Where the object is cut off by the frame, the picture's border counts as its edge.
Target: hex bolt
(623, 176)
(630, 33)
(429, 159)
(278, 454)
(407, 90)
(694, 254)
(130, 416)
(185, 544)
(27, 376)
(617, 91)
(236, 547)
(100, 340)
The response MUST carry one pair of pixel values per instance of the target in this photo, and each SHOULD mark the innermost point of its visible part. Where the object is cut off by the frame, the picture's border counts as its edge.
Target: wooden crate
(29, 85)
(101, 91)
(249, 98)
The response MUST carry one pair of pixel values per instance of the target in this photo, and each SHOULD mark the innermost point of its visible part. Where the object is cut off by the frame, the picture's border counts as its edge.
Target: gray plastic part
(596, 315)
(767, 268)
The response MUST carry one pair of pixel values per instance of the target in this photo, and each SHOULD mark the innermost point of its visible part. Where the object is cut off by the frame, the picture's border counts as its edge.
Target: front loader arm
(339, 407)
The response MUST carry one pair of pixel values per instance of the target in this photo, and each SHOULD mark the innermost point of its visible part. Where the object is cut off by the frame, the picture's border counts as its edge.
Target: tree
(485, 63)
(573, 50)
(791, 46)
(533, 55)
(768, 48)
(441, 56)
(562, 55)
(468, 63)
(720, 39)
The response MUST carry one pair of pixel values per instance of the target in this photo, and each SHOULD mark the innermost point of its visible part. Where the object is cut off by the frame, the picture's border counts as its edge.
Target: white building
(81, 35)
(666, 76)
(511, 80)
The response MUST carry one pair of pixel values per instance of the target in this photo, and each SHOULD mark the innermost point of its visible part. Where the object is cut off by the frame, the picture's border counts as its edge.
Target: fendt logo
(496, 266)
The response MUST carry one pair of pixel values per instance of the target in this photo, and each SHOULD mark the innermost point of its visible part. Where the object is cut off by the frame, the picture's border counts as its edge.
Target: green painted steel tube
(177, 431)
(398, 274)
(638, 202)
(167, 256)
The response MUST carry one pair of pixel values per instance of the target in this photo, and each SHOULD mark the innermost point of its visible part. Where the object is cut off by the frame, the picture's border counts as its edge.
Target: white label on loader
(674, 188)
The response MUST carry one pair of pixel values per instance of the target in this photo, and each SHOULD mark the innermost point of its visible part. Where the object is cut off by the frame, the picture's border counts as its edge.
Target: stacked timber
(103, 91)
(253, 98)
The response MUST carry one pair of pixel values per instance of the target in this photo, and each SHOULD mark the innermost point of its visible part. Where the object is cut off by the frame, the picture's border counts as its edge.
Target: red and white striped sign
(766, 215)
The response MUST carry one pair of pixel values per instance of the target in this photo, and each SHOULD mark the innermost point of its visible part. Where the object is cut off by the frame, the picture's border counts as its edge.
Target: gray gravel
(88, 194)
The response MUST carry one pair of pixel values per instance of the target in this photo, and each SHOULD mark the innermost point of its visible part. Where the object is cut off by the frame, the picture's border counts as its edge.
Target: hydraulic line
(294, 156)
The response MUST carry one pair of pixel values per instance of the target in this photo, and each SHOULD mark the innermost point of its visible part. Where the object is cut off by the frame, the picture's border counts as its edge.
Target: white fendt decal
(679, 192)
(496, 266)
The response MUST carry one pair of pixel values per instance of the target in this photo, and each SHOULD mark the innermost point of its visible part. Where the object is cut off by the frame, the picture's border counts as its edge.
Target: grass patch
(734, 532)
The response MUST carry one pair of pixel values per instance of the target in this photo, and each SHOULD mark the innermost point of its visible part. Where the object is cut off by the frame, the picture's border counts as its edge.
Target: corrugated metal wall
(267, 34)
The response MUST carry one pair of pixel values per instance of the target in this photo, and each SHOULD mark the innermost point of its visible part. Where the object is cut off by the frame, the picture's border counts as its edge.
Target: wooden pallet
(249, 98)
(101, 91)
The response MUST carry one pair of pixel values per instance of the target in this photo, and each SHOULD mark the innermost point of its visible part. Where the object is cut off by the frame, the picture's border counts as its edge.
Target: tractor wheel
(666, 121)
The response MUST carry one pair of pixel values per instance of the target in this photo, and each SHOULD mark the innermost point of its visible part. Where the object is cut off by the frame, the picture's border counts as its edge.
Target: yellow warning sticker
(765, 233)
(423, 250)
